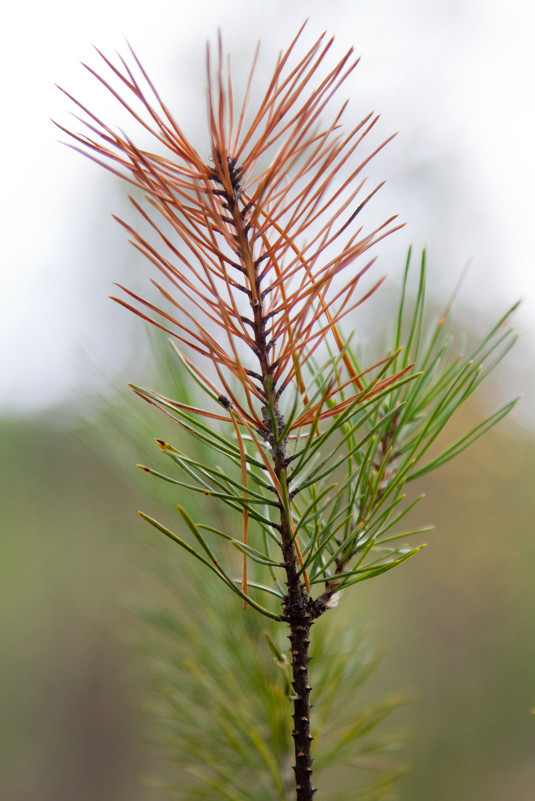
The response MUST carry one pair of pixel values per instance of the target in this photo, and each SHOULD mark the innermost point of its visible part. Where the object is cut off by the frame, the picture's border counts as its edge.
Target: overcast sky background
(456, 79)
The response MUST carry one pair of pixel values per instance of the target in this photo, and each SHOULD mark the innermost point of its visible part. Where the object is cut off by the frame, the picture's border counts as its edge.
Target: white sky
(456, 78)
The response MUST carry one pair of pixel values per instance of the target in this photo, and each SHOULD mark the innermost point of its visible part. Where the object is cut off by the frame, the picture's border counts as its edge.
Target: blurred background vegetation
(455, 625)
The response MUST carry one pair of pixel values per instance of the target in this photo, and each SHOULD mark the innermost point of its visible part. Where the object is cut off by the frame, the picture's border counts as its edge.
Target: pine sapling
(262, 261)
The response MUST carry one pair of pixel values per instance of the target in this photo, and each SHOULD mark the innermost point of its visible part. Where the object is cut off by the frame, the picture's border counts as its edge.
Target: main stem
(298, 606)
(298, 614)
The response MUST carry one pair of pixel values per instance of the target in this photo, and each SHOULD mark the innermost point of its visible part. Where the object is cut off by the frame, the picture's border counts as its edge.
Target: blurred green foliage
(220, 683)
(67, 712)
(456, 623)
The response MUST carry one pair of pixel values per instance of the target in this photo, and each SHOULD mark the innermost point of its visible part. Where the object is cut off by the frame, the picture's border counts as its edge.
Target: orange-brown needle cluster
(256, 241)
